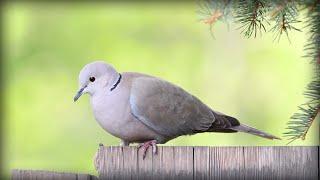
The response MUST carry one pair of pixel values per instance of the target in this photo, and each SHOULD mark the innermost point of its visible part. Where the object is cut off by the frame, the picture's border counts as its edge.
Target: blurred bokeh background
(46, 44)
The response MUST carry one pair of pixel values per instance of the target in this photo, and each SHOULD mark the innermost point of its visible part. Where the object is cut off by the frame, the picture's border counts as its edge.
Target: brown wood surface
(176, 162)
(17, 174)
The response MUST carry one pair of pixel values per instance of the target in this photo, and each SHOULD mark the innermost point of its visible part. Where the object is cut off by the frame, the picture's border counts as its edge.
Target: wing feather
(168, 109)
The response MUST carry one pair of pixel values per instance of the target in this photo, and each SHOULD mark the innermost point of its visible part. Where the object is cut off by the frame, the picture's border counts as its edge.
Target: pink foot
(145, 146)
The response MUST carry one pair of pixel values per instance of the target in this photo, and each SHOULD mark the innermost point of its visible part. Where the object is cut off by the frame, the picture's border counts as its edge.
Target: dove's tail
(251, 130)
(227, 124)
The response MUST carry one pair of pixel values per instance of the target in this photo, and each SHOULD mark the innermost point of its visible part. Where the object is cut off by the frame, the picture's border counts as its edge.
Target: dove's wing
(167, 109)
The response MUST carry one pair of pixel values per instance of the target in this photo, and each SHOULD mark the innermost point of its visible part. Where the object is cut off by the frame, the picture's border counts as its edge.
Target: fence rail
(18, 174)
(175, 162)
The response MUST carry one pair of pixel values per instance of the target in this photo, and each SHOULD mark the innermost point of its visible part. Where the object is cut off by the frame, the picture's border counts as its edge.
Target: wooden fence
(198, 163)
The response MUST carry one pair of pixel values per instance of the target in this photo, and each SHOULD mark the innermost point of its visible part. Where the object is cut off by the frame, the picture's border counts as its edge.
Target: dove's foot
(145, 146)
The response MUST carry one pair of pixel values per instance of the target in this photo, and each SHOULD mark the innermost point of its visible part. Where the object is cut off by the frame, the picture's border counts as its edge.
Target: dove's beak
(79, 93)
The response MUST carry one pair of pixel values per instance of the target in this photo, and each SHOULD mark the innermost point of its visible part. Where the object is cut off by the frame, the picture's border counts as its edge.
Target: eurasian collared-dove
(139, 108)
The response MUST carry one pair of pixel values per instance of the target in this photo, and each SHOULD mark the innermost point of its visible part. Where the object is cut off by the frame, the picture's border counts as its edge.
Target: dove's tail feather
(251, 130)
(227, 124)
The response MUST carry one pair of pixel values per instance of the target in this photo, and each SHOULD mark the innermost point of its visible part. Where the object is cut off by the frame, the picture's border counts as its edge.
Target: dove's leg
(124, 143)
(145, 146)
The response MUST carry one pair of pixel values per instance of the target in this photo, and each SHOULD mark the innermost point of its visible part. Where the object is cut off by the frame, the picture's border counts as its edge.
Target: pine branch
(252, 15)
(285, 15)
(301, 122)
(213, 12)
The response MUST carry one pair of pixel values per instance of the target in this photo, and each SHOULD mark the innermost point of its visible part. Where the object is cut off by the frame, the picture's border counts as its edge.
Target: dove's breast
(112, 111)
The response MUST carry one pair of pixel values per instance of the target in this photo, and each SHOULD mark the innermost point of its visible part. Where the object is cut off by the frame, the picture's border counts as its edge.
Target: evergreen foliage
(252, 17)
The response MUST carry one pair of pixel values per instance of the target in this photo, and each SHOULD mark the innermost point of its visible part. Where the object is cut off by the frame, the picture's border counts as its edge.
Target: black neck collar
(116, 84)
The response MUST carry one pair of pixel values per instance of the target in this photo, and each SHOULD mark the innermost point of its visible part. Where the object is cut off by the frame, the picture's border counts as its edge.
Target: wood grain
(176, 162)
(17, 174)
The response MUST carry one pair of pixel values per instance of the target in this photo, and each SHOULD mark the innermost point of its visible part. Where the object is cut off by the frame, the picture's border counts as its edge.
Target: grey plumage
(141, 108)
(168, 109)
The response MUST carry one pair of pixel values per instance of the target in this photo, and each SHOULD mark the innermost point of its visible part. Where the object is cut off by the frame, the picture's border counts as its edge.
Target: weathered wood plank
(196, 163)
(163, 163)
(183, 162)
(261, 162)
(226, 163)
(216, 163)
(201, 163)
(114, 156)
(130, 166)
(39, 174)
(299, 162)
(144, 165)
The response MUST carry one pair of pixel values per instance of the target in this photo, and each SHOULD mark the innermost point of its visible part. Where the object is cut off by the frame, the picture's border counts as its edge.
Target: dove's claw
(145, 146)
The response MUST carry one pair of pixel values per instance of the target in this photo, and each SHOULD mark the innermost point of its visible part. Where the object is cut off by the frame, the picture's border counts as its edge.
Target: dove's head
(95, 77)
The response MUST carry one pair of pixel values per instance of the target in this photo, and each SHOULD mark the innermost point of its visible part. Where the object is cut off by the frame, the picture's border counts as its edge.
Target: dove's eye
(92, 79)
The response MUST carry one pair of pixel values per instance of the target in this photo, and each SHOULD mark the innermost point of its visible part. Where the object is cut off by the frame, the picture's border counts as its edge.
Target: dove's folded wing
(167, 109)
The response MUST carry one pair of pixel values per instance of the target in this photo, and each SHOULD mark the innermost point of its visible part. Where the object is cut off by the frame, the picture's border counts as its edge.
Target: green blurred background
(46, 44)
